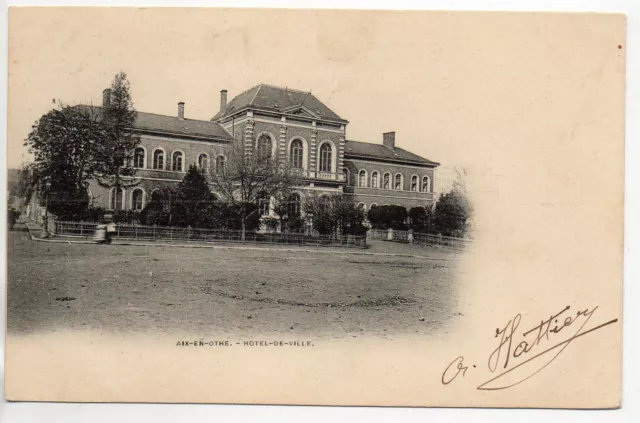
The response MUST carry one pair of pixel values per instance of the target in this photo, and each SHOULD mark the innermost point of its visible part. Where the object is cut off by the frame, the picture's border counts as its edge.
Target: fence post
(390, 234)
(410, 236)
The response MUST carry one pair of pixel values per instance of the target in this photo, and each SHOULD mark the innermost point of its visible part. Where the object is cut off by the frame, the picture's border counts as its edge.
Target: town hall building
(287, 124)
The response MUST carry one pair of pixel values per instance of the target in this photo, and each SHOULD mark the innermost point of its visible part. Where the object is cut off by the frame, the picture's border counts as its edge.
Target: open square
(235, 291)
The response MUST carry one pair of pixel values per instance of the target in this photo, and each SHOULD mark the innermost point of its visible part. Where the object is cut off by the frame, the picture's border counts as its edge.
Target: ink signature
(521, 355)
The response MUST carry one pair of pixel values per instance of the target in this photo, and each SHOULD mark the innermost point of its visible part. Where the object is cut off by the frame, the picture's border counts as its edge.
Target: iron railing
(182, 234)
(420, 238)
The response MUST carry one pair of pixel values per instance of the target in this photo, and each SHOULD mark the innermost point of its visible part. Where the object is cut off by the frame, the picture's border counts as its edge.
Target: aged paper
(523, 112)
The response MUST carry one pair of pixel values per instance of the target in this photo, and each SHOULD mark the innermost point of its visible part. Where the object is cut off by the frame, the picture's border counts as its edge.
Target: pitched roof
(278, 99)
(172, 125)
(357, 149)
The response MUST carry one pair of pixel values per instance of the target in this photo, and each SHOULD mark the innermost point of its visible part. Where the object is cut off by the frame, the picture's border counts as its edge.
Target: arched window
(293, 209)
(362, 178)
(414, 183)
(426, 184)
(203, 161)
(158, 159)
(375, 183)
(398, 184)
(265, 146)
(296, 153)
(386, 181)
(324, 165)
(263, 204)
(362, 207)
(220, 164)
(138, 158)
(176, 161)
(345, 172)
(116, 201)
(136, 199)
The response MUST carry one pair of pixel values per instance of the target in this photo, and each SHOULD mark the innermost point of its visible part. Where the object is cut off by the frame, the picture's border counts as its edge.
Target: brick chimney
(223, 100)
(106, 97)
(181, 110)
(389, 140)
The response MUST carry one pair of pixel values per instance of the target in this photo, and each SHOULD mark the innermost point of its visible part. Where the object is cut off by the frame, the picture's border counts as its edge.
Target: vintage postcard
(321, 207)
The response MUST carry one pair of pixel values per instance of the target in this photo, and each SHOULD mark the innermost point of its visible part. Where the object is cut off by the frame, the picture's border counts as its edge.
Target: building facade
(288, 125)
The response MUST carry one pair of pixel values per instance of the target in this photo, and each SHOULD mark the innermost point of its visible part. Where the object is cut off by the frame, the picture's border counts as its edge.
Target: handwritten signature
(519, 356)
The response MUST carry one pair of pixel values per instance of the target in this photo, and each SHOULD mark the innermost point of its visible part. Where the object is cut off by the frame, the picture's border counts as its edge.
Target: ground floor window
(136, 199)
(263, 205)
(117, 196)
(294, 206)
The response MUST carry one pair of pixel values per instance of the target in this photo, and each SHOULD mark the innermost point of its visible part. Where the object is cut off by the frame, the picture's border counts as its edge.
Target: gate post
(389, 234)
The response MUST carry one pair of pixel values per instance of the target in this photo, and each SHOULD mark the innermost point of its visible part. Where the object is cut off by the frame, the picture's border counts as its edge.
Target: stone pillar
(341, 151)
(312, 148)
(282, 146)
(248, 137)
(410, 236)
(389, 234)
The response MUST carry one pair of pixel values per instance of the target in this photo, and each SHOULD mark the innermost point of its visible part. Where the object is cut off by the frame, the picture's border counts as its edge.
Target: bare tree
(460, 183)
(248, 178)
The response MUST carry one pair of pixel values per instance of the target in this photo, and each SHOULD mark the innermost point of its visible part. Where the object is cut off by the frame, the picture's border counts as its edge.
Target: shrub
(336, 213)
(421, 219)
(385, 217)
(451, 213)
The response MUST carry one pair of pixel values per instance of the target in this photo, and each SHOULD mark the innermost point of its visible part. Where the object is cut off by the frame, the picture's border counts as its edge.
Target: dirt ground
(208, 292)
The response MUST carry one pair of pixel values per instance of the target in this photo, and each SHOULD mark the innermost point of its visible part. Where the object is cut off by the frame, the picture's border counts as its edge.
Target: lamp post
(47, 186)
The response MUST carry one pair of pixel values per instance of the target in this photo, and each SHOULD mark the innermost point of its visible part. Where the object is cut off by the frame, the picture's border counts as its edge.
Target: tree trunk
(243, 217)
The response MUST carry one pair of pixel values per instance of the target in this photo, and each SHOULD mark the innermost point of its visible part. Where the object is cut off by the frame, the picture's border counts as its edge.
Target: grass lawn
(208, 292)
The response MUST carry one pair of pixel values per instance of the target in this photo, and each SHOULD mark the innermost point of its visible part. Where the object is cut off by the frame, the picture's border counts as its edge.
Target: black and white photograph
(396, 208)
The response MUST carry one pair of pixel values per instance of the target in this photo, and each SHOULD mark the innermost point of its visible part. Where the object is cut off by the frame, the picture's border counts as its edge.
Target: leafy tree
(192, 199)
(335, 213)
(25, 185)
(158, 210)
(155, 213)
(453, 210)
(243, 217)
(451, 213)
(246, 178)
(116, 151)
(421, 219)
(375, 217)
(64, 143)
(388, 216)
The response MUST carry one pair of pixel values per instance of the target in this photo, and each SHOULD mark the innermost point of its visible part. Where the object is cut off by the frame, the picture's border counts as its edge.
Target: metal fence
(171, 234)
(446, 241)
(377, 234)
(419, 238)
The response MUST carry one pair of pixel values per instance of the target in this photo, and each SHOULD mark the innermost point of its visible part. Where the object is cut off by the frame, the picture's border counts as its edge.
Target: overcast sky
(462, 89)
(383, 72)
